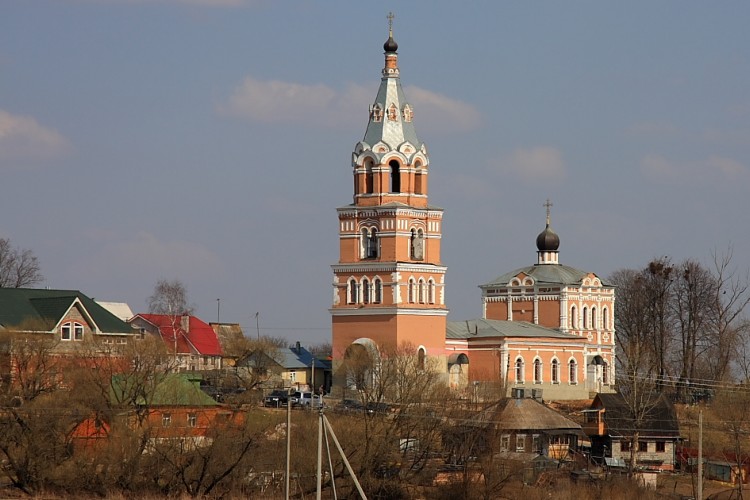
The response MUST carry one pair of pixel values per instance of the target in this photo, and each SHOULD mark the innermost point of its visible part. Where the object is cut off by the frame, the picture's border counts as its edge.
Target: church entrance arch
(458, 370)
(594, 374)
(361, 360)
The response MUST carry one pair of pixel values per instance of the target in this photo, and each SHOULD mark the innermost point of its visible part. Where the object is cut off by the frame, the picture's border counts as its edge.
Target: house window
(122, 341)
(519, 370)
(65, 334)
(555, 371)
(421, 358)
(292, 376)
(412, 292)
(378, 289)
(661, 446)
(192, 419)
(605, 373)
(536, 444)
(166, 419)
(505, 442)
(421, 290)
(624, 446)
(377, 113)
(431, 291)
(643, 446)
(520, 442)
(537, 371)
(71, 331)
(353, 291)
(572, 372)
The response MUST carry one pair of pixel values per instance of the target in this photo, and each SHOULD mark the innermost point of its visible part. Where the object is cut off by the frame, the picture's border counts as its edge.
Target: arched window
(572, 371)
(395, 176)
(353, 291)
(584, 317)
(369, 184)
(605, 319)
(605, 373)
(519, 370)
(366, 291)
(421, 290)
(416, 243)
(573, 318)
(537, 371)
(377, 286)
(431, 291)
(370, 243)
(593, 318)
(555, 371)
(419, 179)
(412, 292)
(421, 358)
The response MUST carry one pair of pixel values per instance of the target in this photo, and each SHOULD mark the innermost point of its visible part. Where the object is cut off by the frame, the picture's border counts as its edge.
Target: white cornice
(387, 311)
(368, 267)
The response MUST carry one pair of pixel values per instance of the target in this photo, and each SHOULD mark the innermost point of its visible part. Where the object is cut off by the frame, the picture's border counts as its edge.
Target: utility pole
(288, 443)
(700, 455)
(257, 324)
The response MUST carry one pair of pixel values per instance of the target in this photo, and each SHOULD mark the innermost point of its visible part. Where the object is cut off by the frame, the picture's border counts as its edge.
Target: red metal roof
(199, 338)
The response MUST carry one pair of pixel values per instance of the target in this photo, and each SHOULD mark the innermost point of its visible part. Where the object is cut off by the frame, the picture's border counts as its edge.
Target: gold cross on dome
(390, 22)
(547, 205)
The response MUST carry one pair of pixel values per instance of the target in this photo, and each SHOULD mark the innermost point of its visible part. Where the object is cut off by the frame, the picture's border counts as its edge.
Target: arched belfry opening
(395, 176)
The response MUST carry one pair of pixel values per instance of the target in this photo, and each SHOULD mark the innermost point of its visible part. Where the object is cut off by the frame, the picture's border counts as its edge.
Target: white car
(307, 400)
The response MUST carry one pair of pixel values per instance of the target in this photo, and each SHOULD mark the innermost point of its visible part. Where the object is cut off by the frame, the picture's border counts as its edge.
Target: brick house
(193, 342)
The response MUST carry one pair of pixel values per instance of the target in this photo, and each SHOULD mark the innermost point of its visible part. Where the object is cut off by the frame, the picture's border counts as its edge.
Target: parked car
(307, 400)
(276, 399)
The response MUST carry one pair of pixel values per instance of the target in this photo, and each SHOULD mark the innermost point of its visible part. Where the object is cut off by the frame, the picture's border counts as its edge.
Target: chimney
(298, 347)
(185, 323)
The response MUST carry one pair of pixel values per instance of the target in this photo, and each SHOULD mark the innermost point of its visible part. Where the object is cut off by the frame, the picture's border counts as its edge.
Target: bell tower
(389, 282)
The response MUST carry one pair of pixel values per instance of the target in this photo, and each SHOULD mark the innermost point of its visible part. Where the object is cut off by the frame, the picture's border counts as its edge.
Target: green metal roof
(30, 306)
(484, 328)
(175, 389)
(545, 274)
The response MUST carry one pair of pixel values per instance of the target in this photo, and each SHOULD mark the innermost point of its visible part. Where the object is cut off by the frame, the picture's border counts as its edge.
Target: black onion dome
(548, 240)
(390, 45)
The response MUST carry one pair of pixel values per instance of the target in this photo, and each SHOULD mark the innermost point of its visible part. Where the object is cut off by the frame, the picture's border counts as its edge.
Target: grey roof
(544, 274)
(297, 358)
(524, 414)
(483, 328)
(392, 132)
(660, 420)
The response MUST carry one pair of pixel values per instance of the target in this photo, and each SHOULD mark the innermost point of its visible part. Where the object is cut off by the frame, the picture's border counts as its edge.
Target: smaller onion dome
(390, 45)
(548, 240)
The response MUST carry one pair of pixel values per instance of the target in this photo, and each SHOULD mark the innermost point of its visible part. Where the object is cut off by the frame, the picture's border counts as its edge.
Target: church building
(546, 326)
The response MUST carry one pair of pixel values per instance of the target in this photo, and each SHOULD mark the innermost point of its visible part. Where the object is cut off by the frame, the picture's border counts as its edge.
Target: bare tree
(18, 267)
(170, 298)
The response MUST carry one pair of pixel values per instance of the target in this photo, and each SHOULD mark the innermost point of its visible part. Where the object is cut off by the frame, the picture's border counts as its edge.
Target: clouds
(315, 105)
(534, 164)
(22, 137)
(714, 169)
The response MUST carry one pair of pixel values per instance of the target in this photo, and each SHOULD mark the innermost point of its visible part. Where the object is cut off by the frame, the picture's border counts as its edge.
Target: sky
(210, 141)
